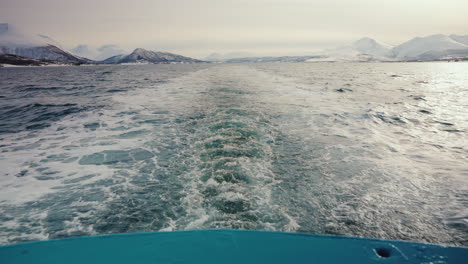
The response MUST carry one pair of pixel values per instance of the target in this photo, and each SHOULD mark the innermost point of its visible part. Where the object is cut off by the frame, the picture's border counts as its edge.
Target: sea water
(358, 149)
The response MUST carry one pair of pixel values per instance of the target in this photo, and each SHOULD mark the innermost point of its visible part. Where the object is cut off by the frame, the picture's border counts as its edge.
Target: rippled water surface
(371, 150)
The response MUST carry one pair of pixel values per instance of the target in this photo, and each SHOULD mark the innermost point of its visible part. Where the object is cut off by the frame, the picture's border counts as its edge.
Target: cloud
(110, 50)
(99, 53)
(84, 51)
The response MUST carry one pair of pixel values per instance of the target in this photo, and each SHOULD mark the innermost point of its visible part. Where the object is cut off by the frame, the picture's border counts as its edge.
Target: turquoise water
(371, 150)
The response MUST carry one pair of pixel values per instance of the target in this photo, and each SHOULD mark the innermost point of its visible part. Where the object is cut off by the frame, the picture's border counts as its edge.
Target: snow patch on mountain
(423, 46)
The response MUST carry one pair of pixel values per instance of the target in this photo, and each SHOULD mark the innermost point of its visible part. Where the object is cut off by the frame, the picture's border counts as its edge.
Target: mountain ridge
(140, 55)
(429, 48)
(9, 59)
(413, 48)
(40, 47)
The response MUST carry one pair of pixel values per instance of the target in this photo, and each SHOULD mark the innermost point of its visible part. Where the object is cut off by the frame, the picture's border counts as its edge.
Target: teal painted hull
(227, 246)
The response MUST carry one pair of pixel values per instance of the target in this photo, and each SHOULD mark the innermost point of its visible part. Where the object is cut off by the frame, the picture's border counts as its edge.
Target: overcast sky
(199, 27)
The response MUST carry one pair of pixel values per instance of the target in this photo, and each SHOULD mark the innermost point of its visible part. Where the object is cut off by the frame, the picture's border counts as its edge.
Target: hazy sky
(199, 27)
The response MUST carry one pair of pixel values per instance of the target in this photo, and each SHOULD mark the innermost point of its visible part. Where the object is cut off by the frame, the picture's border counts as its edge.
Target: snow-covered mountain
(114, 59)
(217, 57)
(39, 47)
(435, 47)
(84, 51)
(432, 47)
(48, 52)
(100, 53)
(109, 50)
(11, 37)
(50, 41)
(372, 47)
(147, 56)
(272, 59)
(214, 57)
(8, 60)
(364, 49)
(461, 39)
